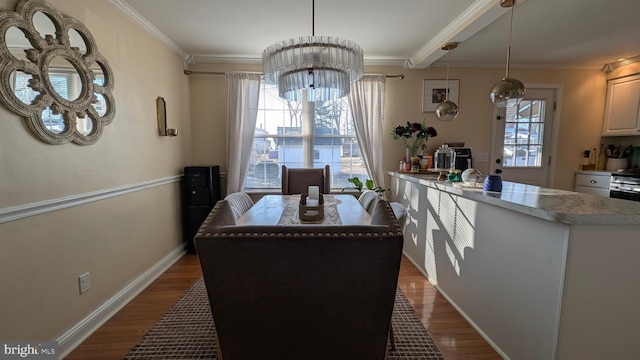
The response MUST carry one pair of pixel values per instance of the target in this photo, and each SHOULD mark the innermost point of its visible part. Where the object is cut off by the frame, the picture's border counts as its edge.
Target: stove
(625, 184)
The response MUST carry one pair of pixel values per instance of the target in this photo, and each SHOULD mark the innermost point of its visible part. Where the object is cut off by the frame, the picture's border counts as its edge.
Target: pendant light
(324, 66)
(447, 110)
(507, 92)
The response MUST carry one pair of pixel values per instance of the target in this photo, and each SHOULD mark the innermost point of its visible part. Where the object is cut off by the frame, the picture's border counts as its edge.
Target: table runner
(290, 212)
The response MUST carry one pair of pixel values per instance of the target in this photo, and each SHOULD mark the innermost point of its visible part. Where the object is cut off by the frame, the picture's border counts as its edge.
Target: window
(523, 131)
(303, 135)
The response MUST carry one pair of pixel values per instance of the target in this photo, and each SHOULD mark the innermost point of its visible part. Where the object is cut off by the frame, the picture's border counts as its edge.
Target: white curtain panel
(367, 106)
(243, 90)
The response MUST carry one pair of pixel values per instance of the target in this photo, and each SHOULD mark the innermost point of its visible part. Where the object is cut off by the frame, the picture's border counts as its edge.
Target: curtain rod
(192, 72)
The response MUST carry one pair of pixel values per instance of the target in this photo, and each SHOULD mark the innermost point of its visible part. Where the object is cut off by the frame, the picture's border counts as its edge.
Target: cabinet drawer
(595, 181)
(592, 191)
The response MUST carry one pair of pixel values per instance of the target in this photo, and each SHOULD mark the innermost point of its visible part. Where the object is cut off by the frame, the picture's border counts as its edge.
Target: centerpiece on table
(414, 137)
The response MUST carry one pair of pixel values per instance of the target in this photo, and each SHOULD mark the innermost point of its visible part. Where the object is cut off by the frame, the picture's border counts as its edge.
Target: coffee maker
(464, 159)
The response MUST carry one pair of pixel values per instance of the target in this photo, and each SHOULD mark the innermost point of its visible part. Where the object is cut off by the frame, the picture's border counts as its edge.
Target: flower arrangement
(414, 136)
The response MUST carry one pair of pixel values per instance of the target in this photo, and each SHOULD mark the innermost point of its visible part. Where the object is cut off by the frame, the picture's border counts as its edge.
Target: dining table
(339, 209)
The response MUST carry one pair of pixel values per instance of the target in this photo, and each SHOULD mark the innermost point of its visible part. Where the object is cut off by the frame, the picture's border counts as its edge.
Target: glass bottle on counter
(444, 157)
(588, 162)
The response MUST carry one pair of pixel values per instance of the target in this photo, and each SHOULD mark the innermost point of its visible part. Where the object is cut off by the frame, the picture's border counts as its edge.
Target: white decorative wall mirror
(52, 74)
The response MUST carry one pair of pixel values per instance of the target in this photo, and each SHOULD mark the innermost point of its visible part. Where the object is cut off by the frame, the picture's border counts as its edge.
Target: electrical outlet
(84, 281)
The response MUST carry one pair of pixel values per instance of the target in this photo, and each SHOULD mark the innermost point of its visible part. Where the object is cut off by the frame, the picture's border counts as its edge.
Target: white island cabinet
(540, 273)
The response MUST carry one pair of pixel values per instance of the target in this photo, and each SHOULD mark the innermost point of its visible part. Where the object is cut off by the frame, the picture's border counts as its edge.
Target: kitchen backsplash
(616, 147)
(621, 140)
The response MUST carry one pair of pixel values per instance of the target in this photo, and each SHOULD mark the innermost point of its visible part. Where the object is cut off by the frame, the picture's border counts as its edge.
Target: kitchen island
(540, 273)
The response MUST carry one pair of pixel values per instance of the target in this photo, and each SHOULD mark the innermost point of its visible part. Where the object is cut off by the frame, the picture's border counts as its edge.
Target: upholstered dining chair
(240, 202)
(368, 199)
(311, 292)
(399, 211)
(297, 181)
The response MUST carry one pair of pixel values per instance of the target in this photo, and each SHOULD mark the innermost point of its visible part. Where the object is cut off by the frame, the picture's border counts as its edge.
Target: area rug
(187, 331)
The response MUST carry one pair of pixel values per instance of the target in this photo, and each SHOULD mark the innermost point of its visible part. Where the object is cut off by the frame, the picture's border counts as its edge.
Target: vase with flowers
(414, 137)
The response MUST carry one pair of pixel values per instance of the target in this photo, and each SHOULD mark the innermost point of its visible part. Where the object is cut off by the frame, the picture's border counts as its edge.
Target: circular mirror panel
(44, 25)
(64, 78)
(84, 125)
(102, 105)
(98, 74)
(20, 85)
(53, 122)
(77, 41)
(17, 42)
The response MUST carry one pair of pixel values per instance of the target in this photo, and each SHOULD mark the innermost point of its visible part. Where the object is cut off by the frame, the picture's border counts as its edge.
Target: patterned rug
(187, 331)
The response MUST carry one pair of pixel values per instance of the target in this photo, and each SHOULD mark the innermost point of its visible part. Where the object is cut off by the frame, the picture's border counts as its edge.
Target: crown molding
(384, 61)
(251, 60)
(608, 67)
(227, 59)
(517, 66)
(136, 17)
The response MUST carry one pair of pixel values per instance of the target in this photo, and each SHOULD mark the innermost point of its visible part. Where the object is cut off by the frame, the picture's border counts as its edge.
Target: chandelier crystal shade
(507, 92)
(324, 66)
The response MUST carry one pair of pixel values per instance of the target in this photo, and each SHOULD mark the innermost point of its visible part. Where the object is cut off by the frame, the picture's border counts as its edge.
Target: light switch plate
(482, 157)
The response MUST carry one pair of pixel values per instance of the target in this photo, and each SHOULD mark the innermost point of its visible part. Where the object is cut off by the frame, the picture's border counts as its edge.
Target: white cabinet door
(622, 108)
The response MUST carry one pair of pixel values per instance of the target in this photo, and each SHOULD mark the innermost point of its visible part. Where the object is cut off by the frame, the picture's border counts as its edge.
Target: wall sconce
(161, 107)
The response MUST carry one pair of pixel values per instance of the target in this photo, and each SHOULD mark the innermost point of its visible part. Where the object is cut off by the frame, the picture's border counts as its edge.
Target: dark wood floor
(455, 338)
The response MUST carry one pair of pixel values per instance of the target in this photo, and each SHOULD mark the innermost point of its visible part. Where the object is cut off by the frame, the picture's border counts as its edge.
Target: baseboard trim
(22, 211)
(73, 337)
(464, 315)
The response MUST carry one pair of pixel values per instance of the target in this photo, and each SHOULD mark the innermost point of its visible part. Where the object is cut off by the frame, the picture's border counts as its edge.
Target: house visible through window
(303, 135)
(523, 128)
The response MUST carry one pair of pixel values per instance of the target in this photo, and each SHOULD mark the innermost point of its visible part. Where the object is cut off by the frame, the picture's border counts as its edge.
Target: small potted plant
(369, 184)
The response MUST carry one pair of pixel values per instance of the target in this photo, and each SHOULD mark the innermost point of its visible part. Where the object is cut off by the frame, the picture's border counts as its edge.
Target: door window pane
(524, 126)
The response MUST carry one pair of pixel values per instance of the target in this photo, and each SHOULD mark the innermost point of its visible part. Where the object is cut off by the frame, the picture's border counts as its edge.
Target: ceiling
(578, 34)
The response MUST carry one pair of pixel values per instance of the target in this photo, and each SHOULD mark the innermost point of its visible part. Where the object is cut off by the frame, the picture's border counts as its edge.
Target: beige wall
(115, 239)
(579, 128)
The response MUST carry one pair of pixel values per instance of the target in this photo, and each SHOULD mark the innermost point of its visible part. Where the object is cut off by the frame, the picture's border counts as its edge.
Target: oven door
(627, 188)
(635, 196)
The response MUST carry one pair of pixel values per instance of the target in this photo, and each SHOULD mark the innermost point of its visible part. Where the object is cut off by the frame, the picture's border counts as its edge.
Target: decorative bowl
(471, 176)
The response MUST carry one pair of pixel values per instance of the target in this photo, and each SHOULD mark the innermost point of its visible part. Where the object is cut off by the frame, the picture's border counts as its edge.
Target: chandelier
(324, 66)
(507, 92)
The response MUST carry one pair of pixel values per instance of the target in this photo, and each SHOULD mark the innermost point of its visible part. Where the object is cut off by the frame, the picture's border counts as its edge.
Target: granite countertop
(595, 172)
(566, 207)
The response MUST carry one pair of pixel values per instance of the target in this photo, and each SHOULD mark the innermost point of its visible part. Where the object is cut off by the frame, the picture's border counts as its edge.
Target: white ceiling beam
(480, 14)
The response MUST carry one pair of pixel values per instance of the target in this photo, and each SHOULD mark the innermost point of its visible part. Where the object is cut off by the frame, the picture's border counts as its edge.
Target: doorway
(523, 145)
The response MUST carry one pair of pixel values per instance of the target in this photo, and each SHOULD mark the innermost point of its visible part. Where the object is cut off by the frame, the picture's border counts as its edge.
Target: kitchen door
(522, 139)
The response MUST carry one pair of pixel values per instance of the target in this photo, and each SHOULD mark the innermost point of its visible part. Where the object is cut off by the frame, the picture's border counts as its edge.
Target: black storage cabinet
(201, 191)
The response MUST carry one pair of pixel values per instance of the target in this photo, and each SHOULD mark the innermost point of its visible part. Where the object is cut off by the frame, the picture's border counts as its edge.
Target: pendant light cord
(313, 18)
(509, 45)
(446, 84)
